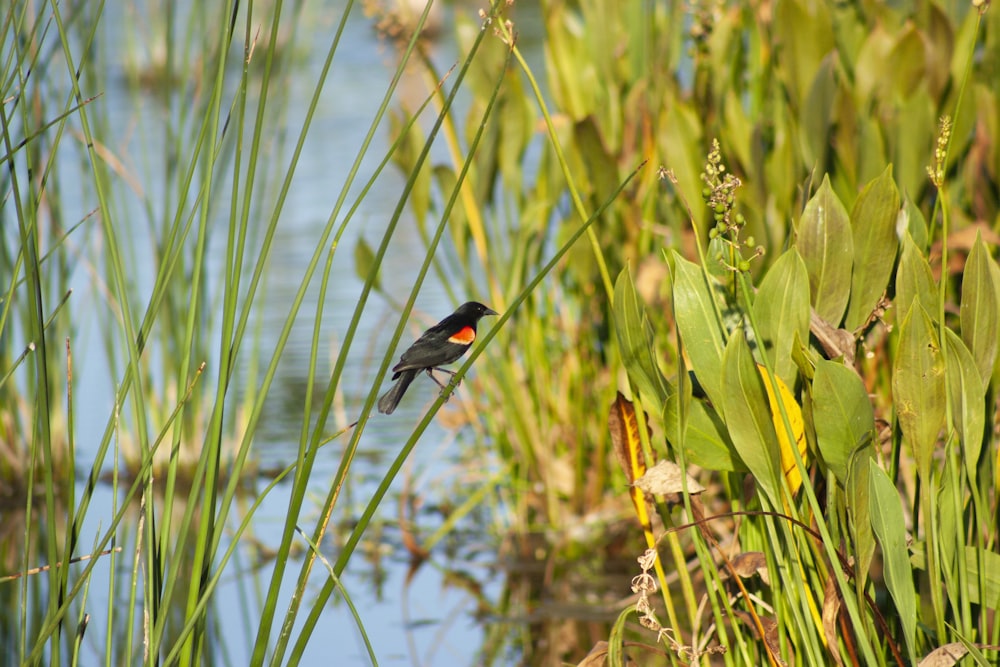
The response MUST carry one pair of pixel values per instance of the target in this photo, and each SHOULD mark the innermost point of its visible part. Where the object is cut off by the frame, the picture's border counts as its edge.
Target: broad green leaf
(601, 177)
(968, 399)
(890, 529)
(842, 413)
(914, 280)
(918, 386)
(914, 221)
(976, 561)
(805, 32)
(748, 416)
(739, 130)
(781, 163)
(872, 70)
(699, 326)
(949, 523)
(939, 39)
(872, 157)
(907, 62)
(706, 443)
(635, 338)
(677, 405)
(827, 248)
(680, 137)
(859, 511)
(782, 310)
(817, 113)
(978, 310)
(915, 117)
(873, 225)
(406, 154)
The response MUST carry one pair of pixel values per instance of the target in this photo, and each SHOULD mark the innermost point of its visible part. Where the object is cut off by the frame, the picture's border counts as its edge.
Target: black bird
(442, 344)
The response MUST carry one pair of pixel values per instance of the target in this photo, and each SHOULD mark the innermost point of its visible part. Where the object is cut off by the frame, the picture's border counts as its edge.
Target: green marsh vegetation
(683, 206)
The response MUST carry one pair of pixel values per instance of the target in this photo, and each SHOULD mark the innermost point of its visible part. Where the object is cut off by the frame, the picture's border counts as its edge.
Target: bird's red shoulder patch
(463, 336)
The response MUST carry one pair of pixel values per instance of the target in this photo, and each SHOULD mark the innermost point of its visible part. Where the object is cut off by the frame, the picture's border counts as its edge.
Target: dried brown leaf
(624, 429)
(750, 563)
(770, 637)
(944, 656)
(831, 610)
(665, 478)
(597, 657)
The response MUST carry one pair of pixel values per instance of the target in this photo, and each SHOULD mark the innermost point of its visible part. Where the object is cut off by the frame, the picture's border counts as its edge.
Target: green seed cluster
(936, 170)
(719, 194)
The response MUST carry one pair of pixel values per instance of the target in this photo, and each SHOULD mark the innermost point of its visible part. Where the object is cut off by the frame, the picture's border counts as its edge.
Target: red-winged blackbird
(442, 344)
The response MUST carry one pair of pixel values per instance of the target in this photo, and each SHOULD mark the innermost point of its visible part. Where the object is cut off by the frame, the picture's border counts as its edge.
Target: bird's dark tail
(390, 399)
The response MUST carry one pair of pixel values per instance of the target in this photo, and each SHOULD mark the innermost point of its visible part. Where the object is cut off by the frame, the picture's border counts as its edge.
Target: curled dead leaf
(750, 563)
(665, 478)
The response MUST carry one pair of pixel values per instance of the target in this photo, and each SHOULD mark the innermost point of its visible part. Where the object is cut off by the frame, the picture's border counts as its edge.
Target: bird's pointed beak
(490, 311)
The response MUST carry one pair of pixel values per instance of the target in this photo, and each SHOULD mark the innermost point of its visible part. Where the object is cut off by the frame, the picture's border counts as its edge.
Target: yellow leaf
(794, 411)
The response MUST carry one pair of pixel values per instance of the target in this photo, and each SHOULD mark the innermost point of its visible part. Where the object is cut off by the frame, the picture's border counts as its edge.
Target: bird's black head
(474, 310)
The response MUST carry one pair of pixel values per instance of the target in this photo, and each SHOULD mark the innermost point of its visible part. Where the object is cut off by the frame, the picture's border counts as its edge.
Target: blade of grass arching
(343, 591)
(355, 537)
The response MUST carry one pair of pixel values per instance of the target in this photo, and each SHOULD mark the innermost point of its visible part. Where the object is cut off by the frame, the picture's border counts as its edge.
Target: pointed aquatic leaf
(706, 443)
(890, 529)
(677, 408)
(635, 338)
(842, 414)
(914, 280)
(918, 386)
(915, 117)
(748, 416)
(968, 400)
(907, 62)
(782, 310)
(699, 326)
(980, 301)
(859, 512)
(827, 248)
(806, 34)
(974, 558)
(817, 113)
(915, 223)
(873, 225)
(939, 37)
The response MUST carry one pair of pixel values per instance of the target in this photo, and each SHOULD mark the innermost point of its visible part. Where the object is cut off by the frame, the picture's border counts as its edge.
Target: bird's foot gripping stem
(444, 387)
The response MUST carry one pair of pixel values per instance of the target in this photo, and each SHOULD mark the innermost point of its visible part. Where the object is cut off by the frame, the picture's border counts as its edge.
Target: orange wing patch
(463, 336)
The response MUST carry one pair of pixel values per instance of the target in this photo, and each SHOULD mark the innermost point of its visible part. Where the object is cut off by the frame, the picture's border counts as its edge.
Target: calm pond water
(422, 621)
